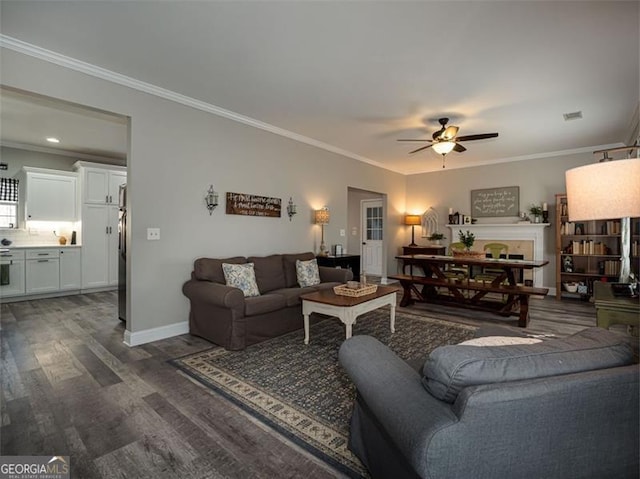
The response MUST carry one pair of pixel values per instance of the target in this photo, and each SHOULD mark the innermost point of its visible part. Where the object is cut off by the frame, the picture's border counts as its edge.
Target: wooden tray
(343, 290)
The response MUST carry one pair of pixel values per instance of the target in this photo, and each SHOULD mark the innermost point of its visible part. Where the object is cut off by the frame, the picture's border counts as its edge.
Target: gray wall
(539, 180)
(16, 159)
(175, 153)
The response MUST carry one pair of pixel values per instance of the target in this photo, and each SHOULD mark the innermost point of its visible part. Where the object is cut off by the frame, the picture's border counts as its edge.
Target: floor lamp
(606, 190)
(322, 217)
(412, 220)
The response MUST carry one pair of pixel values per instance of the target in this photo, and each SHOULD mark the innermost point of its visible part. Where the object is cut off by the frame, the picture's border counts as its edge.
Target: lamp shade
(604, 190)
(412, 219)
(444, 147)
(322, 216)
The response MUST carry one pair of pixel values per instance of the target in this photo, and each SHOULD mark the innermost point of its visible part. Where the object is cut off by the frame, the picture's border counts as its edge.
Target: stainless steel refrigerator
(122, 254)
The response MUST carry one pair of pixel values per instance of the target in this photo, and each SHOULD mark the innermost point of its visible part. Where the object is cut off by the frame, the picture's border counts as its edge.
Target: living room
(180, 144)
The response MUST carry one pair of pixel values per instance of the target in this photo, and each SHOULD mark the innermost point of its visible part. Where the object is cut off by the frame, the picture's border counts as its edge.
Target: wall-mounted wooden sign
(503, 201)
(253, 205)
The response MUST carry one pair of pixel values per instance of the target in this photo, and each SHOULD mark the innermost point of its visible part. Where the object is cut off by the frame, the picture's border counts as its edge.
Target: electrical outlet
(153, 234)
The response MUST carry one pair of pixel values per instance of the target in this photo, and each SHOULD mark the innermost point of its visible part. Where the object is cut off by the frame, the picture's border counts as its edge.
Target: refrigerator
(122, 254)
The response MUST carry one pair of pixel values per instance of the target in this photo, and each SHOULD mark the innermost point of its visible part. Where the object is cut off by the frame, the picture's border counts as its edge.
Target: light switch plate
(343, 233)
(153, 234)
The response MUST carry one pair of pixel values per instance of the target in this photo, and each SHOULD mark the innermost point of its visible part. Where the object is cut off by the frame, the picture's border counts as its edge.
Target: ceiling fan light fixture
(444, 147)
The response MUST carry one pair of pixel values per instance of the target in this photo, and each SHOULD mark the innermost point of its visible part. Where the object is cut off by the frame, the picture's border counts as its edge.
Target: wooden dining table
(433, 285)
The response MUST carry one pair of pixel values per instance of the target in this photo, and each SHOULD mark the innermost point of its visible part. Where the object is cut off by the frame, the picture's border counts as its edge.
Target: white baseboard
(155, 334)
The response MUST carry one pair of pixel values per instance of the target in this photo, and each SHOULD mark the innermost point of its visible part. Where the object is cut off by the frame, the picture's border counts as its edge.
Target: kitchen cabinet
(100, 187)
(99, 246)
(42, 270)
(48, 195)
(100, 184)
(70, 268)
(14, 261)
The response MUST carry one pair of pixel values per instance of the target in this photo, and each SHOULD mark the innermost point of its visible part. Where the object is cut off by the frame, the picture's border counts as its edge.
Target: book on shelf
(610, 227)
(589, 247)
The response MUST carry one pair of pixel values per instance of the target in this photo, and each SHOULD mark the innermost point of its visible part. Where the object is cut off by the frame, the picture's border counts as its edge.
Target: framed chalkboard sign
(253, 205)
(492, 202)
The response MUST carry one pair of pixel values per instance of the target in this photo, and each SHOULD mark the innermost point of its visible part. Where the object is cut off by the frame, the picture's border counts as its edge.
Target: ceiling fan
(445, 140)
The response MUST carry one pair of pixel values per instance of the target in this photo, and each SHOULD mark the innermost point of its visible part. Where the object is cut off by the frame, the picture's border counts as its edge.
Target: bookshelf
(588, 251)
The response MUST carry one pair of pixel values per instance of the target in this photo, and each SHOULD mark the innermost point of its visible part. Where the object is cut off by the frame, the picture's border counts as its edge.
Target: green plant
(436, 237)
(535, 210)
(466, 239)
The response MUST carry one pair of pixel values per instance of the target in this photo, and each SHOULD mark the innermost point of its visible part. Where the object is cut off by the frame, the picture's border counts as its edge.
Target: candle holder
(545, 216)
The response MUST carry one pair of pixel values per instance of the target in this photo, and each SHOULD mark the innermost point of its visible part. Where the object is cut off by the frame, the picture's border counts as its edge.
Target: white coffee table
(347, 308)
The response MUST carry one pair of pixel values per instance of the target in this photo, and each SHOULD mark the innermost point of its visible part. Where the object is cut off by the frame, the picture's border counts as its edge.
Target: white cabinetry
(70, 268)
(42, 270)
(48, 195)
(13, 264)
(100, 189)
(101, 185)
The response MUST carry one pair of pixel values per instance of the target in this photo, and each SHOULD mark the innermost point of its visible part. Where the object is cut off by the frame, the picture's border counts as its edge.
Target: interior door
(372, 231)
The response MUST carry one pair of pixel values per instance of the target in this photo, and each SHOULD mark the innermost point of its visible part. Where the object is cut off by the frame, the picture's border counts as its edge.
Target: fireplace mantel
(510, 231)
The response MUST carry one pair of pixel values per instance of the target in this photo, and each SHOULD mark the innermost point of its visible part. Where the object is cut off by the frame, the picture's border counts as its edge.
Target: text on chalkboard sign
(502, 201)
(253, 205)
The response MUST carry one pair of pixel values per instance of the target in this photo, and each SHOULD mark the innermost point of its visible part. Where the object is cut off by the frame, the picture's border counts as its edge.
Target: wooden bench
(516, 302)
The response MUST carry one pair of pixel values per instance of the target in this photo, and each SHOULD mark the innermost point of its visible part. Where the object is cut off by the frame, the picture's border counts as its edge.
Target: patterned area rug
(301, 390)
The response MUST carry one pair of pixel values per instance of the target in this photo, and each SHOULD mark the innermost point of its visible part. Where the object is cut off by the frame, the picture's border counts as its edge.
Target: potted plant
(536, 212)
(435, 238)
(467, 239)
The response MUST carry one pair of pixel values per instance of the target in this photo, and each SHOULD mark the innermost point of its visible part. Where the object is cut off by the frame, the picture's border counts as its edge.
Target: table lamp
(322, 217)
(607, 190)
(412, 220)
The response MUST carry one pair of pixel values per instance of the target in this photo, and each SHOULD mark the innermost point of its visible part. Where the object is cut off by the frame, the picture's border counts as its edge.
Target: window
(8, 203)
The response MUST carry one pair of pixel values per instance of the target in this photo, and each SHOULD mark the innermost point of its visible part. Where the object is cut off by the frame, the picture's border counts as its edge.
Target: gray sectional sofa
(224, 316)
(563, 408)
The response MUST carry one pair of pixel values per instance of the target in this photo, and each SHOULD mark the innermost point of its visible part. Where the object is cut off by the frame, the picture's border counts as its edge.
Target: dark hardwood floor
(71, 387)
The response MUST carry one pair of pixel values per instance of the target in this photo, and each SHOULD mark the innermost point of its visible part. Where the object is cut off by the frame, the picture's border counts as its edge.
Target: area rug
(301, 390)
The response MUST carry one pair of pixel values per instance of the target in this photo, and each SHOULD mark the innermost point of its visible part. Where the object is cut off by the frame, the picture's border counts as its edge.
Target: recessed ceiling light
(574, 115)
(53, 139)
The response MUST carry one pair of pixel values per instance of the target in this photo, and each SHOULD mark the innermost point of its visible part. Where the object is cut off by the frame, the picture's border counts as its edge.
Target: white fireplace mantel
(510, 231)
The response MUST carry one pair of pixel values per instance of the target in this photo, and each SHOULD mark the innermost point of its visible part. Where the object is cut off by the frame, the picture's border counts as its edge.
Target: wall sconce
(322, 218)
(291, 208)
(211, 200)
(412, 220)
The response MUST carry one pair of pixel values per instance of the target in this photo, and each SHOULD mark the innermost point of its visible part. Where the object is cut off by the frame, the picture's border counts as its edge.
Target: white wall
(539, 181)
(175, 153)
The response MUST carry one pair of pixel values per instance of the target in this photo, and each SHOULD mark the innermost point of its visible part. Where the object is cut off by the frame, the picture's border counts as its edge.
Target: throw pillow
(499, 341)
(450, 369)
(241, 276)
(307, 272)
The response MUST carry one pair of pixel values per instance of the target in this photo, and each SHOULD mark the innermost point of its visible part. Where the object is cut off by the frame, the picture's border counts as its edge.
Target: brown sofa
(223, 315)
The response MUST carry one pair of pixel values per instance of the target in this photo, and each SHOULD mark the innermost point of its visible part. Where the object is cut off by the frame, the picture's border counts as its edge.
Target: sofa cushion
(290, 275)
(241, 276)
(263, 304)
(210, 269)
(499, 341)
(450, 369)
(292, 295)
(269, 272)
(307, 272)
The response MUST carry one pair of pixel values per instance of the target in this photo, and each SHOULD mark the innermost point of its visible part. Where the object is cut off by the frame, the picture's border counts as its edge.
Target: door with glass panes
(372, 231)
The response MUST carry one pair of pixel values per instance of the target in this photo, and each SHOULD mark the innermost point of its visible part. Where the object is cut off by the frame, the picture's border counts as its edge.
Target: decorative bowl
(353, 284)
(5, 242)
(571, 287)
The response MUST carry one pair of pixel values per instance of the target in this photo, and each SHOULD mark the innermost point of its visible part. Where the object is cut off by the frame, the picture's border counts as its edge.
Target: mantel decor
(253, 205)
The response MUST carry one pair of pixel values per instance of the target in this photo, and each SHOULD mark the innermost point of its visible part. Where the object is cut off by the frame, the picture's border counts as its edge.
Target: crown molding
(62, 60)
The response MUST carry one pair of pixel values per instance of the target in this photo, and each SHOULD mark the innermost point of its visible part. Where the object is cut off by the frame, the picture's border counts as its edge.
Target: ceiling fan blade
(449, 133)
(459, 148)
(403, 139)
(420, 149)
(481, 136)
